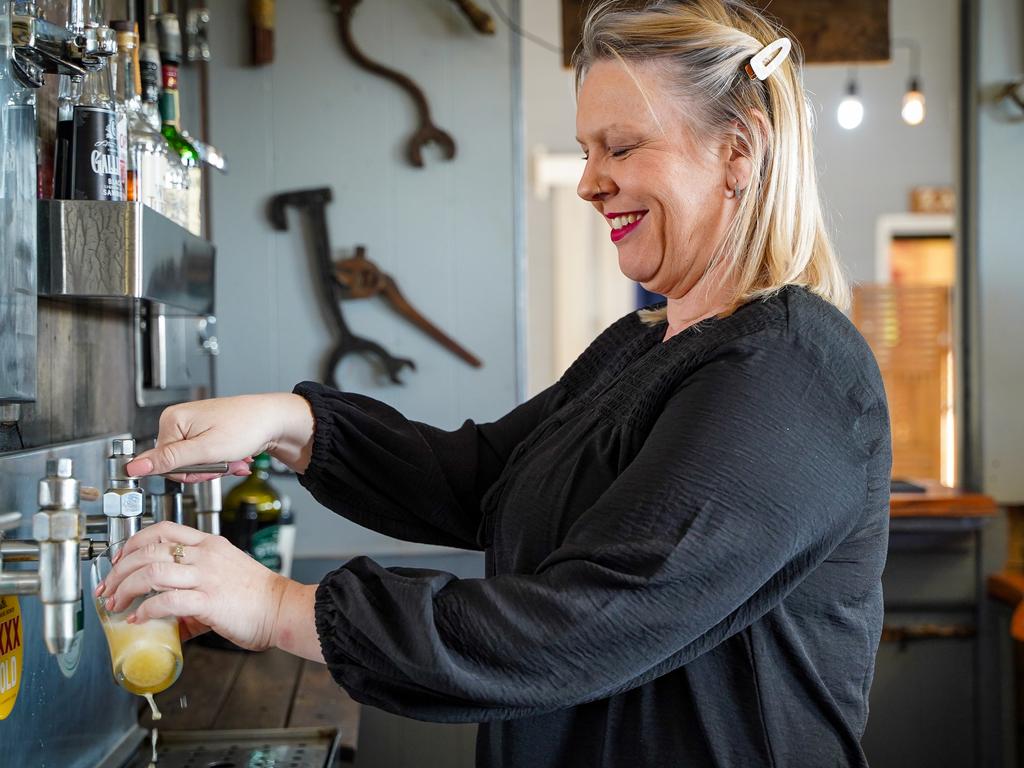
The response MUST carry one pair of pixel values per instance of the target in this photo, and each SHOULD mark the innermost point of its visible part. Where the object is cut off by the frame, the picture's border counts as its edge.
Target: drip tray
(261, 748)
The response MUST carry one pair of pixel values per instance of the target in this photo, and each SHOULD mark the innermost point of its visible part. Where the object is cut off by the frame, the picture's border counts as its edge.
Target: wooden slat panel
(86, 384)
(320, 702)
(262, 694)
(835, 31)
(205, 681)
(909, 329)
(830, 31)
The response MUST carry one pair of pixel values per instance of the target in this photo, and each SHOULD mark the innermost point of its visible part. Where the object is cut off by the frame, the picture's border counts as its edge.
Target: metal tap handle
(219, 468)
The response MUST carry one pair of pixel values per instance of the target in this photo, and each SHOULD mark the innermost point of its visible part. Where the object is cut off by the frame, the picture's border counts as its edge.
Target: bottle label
(122, 151)
(96, 155)
(149, 74)
(170, 77)
(11, 654)
(265, 547)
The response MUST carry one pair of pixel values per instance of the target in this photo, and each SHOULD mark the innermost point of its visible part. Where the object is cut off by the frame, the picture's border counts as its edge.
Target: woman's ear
(739, 167)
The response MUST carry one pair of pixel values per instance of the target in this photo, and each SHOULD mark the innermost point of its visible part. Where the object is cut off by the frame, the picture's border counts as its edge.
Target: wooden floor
(223, 690)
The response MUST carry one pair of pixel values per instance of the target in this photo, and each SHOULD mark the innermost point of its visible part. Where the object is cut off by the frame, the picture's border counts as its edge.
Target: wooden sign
(830, 31)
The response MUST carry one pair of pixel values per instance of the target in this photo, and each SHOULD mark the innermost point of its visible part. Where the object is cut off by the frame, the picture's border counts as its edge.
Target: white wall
(868, 172)
(864, 173)
(445, 232)
(1000, 250)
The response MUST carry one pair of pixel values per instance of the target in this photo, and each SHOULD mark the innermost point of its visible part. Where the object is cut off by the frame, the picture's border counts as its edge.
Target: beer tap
(123, 498)
(59, 527)
(125, 509)
(41, 47)
(167, 504)
(207, 501)
(58, 545)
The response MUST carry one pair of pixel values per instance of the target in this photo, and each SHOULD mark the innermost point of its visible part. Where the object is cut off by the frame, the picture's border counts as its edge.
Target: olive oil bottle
(252, 516)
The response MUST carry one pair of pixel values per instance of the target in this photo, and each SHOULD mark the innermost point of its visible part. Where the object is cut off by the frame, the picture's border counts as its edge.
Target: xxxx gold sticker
(10, 653)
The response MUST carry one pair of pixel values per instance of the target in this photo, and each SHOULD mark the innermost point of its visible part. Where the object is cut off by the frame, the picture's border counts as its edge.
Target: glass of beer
(145, 657)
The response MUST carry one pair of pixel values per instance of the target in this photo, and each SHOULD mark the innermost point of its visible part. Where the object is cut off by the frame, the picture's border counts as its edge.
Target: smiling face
(662, 192)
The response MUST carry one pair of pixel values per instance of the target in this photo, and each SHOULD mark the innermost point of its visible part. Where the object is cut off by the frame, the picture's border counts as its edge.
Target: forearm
(295, 628)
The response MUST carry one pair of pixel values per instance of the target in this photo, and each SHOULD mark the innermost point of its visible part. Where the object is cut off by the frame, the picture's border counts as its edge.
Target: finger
(153, 552)
(167, 456)
(183, 603)
(164, 531)
(155, 577)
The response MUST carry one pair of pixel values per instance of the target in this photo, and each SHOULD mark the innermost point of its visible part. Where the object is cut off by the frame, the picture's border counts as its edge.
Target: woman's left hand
(210, 585)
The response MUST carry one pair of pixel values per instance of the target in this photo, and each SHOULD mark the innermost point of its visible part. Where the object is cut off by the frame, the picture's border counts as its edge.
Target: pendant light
(851, 110)
(913, 104)
(913, 110)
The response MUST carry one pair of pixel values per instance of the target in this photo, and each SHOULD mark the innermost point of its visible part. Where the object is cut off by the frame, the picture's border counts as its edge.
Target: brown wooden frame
(830, 31)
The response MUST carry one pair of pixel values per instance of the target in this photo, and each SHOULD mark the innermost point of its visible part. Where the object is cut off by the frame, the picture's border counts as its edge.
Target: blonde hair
(777, 237)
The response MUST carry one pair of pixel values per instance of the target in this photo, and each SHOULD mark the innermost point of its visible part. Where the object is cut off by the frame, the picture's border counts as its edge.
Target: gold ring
(178, 553)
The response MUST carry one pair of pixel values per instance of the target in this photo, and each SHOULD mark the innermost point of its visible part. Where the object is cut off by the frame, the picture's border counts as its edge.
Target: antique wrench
(426, 132)
(313, 203)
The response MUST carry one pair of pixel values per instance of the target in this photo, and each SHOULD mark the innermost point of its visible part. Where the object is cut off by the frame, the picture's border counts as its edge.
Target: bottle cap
(169, 38)
(262, 461)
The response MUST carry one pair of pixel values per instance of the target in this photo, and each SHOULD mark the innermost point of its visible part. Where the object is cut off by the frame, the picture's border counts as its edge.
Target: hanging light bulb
(851, 111)
(913, 104)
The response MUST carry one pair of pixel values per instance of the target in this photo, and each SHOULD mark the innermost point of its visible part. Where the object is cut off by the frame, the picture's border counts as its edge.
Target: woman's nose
(593, 185)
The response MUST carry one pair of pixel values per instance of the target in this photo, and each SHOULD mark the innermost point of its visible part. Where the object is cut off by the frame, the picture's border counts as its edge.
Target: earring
(737, 191)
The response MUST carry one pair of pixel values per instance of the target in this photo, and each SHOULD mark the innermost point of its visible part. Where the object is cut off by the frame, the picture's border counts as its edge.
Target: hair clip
(768, 59)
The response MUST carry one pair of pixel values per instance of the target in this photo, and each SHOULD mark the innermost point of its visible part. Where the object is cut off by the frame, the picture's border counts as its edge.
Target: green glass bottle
(252, 516)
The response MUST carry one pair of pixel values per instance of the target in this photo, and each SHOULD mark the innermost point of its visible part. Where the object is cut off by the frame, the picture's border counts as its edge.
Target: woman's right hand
(231, 429)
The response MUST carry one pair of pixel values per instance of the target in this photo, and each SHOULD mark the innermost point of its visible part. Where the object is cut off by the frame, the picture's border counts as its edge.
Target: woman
(685, 535)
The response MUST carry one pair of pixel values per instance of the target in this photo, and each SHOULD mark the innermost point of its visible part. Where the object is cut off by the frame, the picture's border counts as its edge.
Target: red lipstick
(621, 232)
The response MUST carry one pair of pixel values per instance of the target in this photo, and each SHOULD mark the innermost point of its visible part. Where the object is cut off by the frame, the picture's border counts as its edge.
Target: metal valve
(41, 47)
(58, 527)
(123, 499)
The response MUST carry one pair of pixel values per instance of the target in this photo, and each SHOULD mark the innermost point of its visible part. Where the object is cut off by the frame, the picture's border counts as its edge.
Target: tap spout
(58, 529)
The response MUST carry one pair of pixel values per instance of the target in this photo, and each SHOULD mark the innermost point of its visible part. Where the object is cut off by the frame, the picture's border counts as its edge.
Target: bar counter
(937, 501)
(228, 690)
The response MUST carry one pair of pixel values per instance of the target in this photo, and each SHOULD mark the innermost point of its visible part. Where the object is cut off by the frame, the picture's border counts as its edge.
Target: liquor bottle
(175, 185)
(251, 517)
(94, 167)
(148, 156)
(149, 67)
(169, 35)
(69, 91)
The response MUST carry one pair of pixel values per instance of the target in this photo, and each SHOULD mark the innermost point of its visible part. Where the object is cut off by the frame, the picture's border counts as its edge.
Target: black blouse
(684, 546)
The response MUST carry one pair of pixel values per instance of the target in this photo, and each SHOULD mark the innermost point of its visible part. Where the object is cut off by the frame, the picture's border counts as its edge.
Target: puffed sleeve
(405, 479)
(754, 472)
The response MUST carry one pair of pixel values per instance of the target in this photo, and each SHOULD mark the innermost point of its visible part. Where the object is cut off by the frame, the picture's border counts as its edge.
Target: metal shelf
(122, 252)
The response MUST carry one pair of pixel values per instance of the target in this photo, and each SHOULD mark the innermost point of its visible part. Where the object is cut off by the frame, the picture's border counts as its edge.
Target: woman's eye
(620, 152)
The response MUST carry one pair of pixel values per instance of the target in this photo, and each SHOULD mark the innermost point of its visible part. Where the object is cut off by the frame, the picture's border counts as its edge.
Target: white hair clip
(768, 59)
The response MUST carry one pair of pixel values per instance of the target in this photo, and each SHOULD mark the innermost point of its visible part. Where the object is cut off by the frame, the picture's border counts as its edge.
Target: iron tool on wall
(313, 203)
(426, 132)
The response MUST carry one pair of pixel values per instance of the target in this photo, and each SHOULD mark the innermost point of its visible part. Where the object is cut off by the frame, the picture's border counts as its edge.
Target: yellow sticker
(10, 654)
